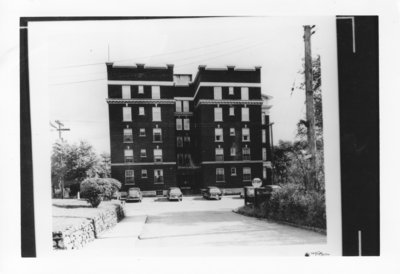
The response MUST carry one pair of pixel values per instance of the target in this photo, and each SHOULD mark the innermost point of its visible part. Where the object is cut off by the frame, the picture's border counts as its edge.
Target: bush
(293, 204)
(91, 191)
(103, 188)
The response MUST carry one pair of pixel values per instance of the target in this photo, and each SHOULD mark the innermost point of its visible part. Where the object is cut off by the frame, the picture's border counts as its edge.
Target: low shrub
(295, 205)
(91, 191)
(103, 188)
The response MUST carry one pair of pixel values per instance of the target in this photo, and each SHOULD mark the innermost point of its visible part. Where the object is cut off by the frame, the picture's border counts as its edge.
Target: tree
(71, 164)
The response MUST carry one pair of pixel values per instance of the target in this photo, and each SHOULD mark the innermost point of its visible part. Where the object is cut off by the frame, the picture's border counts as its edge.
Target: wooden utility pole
(310, 103)
(59, 128)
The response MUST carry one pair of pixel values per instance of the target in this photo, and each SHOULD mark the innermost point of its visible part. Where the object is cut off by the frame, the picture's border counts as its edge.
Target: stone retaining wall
(76, 236)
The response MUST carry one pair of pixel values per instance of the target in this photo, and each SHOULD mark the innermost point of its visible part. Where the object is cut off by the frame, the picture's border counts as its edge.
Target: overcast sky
(76, 53)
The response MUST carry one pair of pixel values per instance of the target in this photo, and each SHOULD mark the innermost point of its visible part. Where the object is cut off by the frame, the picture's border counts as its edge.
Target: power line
(155, 55)
(77, 82)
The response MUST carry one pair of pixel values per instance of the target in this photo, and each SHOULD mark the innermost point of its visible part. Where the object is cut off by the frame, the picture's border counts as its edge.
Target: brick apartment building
(171, 130)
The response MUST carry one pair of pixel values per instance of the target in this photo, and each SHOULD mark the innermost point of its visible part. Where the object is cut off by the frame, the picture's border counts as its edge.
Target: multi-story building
(169, 130)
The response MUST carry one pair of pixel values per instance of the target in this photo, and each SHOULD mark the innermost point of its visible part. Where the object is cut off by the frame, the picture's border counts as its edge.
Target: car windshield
(175, 191)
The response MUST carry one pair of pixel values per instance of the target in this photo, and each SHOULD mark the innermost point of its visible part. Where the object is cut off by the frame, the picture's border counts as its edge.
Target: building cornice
(141, 83)
(144, 164)
(231, 162)
(228, 102)
(140, 101)
(225, 84)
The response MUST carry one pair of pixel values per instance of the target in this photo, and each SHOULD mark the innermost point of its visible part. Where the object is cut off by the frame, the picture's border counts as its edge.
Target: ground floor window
(220, 175)
(144, 173)
(246, 174)
(129, 177)
(158, 176)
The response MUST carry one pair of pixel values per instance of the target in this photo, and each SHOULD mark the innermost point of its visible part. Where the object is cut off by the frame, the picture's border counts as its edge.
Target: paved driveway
(156, 225)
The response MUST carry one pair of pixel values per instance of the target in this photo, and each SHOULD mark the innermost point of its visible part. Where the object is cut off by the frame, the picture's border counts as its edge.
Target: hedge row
(295, 205)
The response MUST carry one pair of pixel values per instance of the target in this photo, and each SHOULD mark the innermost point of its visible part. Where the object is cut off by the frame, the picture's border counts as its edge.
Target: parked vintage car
(134, 194)
(174, 193)
(212, 192)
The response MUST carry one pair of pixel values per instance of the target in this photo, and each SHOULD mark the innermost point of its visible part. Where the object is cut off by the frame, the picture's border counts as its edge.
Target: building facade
(171, 130)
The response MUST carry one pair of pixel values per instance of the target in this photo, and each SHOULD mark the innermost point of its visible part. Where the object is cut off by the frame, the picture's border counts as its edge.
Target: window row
(185, 122)
(219, 134)
(219, 118)
(219, 153)
(130, 176)
(128, 135)
(181, 139)
(244, 93)
(127, 113)
(126, 92)
(157, 155)
(220, 174)
(179, 104)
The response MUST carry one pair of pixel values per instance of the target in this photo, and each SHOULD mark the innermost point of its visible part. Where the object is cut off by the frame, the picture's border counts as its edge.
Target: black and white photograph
(184, 133)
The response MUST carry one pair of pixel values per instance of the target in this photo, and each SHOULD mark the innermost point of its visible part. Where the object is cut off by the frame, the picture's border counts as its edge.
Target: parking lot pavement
(198, 223)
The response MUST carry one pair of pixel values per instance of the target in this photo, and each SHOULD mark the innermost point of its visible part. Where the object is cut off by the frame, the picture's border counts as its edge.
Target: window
(246, 153)
(246, 174)
(264, 136)
(140, 90)
(263, 118)
(186, 139)
(218, 114)
(231, 111)
(180, 159)
(230, 90)
(219, 137)
(158, 176)
(127, 114)
(126, 92)
(128, 138)
(232, 131)
(144, 173)
(156, 114)
(264, 154)
(264, 173)
(186, 124)
(185, 106)
(187, 159)
(245, 93)
(220, 175)
(245, 114)
(219, 154)
(143, 153)
(233, 171)
(179, 141)
(178, 106)
(142, 132)
(158, 155)
(155, 92)
(128, 155)
(178, 124)
(141, 110)
(233, 151)
(129, 177)
(218, 93)
(245, 134)
(157, 135)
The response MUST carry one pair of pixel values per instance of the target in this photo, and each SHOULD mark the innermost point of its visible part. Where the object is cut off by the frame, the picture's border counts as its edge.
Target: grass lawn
(67, 212)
